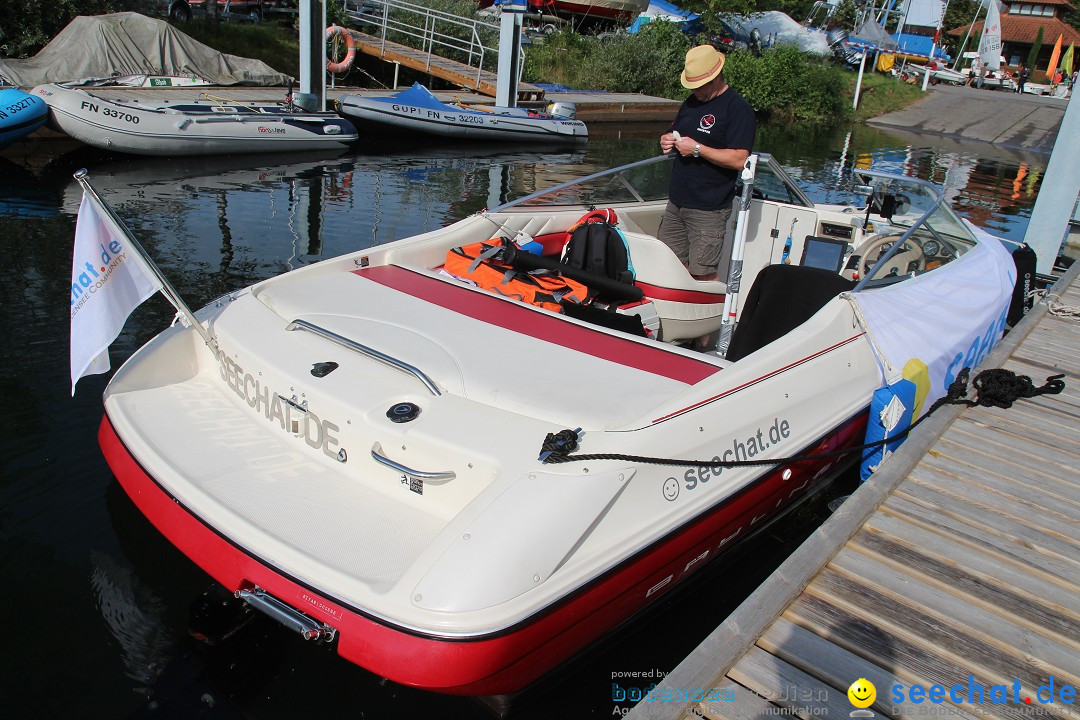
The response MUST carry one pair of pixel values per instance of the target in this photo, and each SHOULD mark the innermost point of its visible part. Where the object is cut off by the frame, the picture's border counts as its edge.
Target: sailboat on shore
(990, 43)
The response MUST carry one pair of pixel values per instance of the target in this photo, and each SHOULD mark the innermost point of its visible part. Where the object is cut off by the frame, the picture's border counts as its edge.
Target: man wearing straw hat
(712, 134)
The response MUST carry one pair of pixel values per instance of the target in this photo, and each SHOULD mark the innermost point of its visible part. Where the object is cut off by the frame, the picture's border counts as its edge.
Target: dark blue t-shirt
(726, 121)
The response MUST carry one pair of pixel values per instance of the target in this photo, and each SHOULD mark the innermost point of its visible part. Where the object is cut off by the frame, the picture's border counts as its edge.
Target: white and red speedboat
(357, 449)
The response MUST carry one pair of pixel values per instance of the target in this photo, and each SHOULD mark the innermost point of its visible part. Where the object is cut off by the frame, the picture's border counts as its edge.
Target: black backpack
(600, 248)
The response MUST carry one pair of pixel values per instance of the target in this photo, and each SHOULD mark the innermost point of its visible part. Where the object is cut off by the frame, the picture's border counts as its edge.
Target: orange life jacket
(480, 263)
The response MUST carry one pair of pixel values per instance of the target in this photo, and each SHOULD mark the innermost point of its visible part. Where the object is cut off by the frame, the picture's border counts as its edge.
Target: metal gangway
(459, 49)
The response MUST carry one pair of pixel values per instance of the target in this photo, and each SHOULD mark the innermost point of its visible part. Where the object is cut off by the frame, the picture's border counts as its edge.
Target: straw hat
(703, 63)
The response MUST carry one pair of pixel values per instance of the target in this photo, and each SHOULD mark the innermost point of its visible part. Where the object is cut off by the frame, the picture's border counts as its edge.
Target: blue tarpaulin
(663, 10)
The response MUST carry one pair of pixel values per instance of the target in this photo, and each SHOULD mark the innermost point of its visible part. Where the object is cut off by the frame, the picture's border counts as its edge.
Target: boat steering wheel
(899, 263)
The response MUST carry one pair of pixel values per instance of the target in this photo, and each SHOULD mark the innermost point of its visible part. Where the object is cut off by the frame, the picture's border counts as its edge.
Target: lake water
(97, 603)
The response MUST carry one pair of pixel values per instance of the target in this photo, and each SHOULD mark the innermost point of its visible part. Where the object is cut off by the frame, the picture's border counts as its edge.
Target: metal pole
(731, 297)
(312, 55)
(1058, 191)
(120, 228)
(509, 51)
(967, 36)
(858, 83)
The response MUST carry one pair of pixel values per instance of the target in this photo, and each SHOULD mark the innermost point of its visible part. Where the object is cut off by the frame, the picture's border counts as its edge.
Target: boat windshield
(647, 181)
(643, 181)
(911, 220)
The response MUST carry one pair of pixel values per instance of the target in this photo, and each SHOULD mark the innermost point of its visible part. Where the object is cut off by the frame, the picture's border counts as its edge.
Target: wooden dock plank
(1008, 465)
(1039, 440)
(1058, 430)
(785, 685)
(1039, 645)
(928, 516)
(1010, 528)
(921, 636)
(1051, 508)
(742, 705)
(836, 666)
(982, 560)
(880, 645)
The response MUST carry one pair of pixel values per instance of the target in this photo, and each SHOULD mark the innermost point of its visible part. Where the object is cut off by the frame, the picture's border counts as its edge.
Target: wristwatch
(697, 150)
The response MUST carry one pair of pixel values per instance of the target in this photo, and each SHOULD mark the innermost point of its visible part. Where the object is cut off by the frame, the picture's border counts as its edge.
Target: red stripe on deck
(541, 325)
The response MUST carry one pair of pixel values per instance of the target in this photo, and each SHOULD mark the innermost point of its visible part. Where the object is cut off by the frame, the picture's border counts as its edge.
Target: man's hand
(667, 141)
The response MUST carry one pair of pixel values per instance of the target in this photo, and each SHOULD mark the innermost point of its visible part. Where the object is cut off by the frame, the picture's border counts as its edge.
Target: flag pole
(167, 288)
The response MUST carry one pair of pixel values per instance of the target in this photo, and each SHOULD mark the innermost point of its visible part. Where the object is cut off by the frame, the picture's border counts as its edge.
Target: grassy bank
(881, 94)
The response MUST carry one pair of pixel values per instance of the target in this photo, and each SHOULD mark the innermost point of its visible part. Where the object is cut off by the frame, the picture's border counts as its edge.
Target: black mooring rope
(994, 388)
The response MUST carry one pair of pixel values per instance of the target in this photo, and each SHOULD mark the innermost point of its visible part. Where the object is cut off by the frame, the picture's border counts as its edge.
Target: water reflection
(68, 532)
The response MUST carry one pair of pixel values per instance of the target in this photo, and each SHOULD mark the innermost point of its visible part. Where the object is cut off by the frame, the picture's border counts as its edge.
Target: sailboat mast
(960, 52)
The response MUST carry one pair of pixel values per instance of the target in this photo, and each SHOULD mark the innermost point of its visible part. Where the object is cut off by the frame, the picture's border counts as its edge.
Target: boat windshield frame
(623, 176)
(961, 235)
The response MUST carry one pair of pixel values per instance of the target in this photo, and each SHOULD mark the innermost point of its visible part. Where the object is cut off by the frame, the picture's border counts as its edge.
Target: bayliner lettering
(740, 450)
(317, 433)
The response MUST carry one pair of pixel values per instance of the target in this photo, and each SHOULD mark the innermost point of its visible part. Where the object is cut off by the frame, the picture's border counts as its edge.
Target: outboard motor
(836, 36)
(562, 109)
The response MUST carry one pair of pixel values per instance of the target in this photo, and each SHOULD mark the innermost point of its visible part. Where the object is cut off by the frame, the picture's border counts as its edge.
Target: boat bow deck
(494, 350)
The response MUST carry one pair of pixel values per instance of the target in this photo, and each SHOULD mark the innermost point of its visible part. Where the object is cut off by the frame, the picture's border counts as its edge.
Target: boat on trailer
(418, 110)
(207, 126)
(366, 448)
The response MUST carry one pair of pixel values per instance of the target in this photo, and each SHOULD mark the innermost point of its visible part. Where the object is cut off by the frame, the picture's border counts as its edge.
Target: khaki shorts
(696, 236)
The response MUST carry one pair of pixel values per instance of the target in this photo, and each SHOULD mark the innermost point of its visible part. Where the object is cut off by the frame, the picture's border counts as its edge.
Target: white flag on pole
(108, 280)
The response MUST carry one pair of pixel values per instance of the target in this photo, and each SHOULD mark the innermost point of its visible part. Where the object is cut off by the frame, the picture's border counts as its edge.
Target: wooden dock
(481, 81)
(955, 567)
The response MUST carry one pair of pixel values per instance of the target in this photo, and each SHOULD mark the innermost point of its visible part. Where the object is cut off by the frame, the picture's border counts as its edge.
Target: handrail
(429, 27)
(434, 477)
(365, 350)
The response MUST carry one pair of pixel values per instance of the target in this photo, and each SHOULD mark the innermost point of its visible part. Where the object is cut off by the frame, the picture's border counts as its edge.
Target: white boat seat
(688, 308)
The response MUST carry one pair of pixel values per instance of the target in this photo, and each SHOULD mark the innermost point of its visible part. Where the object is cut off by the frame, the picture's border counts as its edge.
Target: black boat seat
(782, 298)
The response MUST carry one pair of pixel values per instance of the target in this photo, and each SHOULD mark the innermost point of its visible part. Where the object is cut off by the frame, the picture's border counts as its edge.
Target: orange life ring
(350, 49)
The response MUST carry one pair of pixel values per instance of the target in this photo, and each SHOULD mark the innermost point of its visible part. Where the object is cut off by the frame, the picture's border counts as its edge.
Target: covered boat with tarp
(127, 43)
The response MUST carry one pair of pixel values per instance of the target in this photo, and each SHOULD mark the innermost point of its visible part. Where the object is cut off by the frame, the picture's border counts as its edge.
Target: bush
(787, 84)
(784, 83)
(646, 62)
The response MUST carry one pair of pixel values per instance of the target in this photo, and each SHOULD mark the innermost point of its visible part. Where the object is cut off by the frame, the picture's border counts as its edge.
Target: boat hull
(622, 10)
(20, 115)
(507, 661)
(191, 128)
(384, 116)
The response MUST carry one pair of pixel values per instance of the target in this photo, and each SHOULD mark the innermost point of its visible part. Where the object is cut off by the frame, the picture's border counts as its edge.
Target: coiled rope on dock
(1054, 306)
(995, 387)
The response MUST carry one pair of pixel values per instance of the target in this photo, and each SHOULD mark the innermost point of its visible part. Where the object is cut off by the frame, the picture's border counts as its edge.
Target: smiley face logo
(862, 693)
(671, 488)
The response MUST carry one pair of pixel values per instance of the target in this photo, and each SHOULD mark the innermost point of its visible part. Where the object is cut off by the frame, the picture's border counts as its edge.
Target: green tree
(845, 15)
(958, 14)
(1072, 17)
(1035, 48)
(26, 26)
